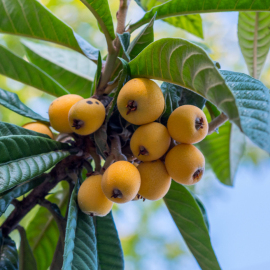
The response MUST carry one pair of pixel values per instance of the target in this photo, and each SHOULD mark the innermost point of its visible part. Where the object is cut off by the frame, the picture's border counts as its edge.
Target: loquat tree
(120, 136)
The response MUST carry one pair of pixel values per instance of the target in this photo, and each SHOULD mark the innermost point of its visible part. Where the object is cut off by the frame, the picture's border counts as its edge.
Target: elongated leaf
(142, 40)
(253, 101)
(12, 102)
(190, 222)
(70, 69)
(124, 41)
(223, 151)
(101, 10)
(20, 70)
(29, 18)
(27, 260)
(110, 254)
(7, 197)
(8, 254)
(97, 76)
(183, 63)
(184, 7)
(190, 23)
(24, 157)
(43, 232)
(254, 39)
(80, 243)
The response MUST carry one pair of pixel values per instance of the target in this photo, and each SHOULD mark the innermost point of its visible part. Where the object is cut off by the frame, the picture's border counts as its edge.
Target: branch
(91, 149)
(217, 122)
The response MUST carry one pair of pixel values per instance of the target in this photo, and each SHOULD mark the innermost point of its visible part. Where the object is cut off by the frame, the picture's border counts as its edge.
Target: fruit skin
(148, 97)
(58, 112)
(183, 161)
(39, 127)
(91, 198)
(155, 180)
(92, 114)
(124, 177)
(181, 124)
(154, 137)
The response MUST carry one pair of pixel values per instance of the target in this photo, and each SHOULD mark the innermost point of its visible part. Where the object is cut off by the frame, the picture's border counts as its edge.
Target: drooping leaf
(42, 231)
(191, 23)
(183, 63)
(7, 197)
(8, 254)
(110, 254)
(29, 18)
(25, 157)
(72, 70)
(253, 101)
(142, 40)
(223, 151)
(97, 76)
(101, 10)
(80, 243)
(203, 210)
(27, 260)
(190, 221)
(254, 39)
(11, 101)
(176, 8)
(7, 129)
(20, 70)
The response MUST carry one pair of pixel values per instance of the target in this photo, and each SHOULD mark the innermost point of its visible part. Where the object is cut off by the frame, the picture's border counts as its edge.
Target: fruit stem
(217, 122)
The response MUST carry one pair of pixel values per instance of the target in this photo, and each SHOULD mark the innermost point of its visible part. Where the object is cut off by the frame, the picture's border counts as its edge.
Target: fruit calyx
(77, 124)
(131, 106)
(199, 123)
(117, 194)
(197, 174)
(143, 151)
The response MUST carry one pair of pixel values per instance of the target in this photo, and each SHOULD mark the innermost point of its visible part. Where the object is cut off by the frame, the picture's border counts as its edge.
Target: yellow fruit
(155, 180)
(121, 182)
(150, 142)
(185, 164)
(187, 124)
(86, 116)
(58, 112)
(39, 127)
(91, 198)
(140, 101)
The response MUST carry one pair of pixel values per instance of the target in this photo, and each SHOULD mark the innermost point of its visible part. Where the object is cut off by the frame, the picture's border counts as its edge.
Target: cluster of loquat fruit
(158, 158)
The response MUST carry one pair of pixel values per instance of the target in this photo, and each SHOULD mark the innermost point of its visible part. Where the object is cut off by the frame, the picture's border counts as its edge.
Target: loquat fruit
(155, 180)
(121, 182)
(39, 127)
(58, 112)
(86, 116)
(91, 198)
(150, 142)
(187, 124)
(185, 164)
(140, 101)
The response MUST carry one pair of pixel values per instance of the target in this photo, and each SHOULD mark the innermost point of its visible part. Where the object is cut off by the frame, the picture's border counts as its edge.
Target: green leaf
(97, 75)
(183, 63)
(7, 197)
(254, 39)
(24, 157)
(223, 151)
(124, 41)
(73, 71)
(253, 100)
(101, 10)
(12, 102)
(110, 254)
(29, 18)
(80, 243)
(20, 70)
(190, 222)
(142, 40)
(42, 231)
(203, 210)
(7, 129)
(176, 8)
(27, 260)
(191, 23)
(8, 254)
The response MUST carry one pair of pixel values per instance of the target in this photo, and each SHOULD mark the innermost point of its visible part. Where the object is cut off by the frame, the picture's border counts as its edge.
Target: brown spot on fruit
(89, 102)
(97, 103)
